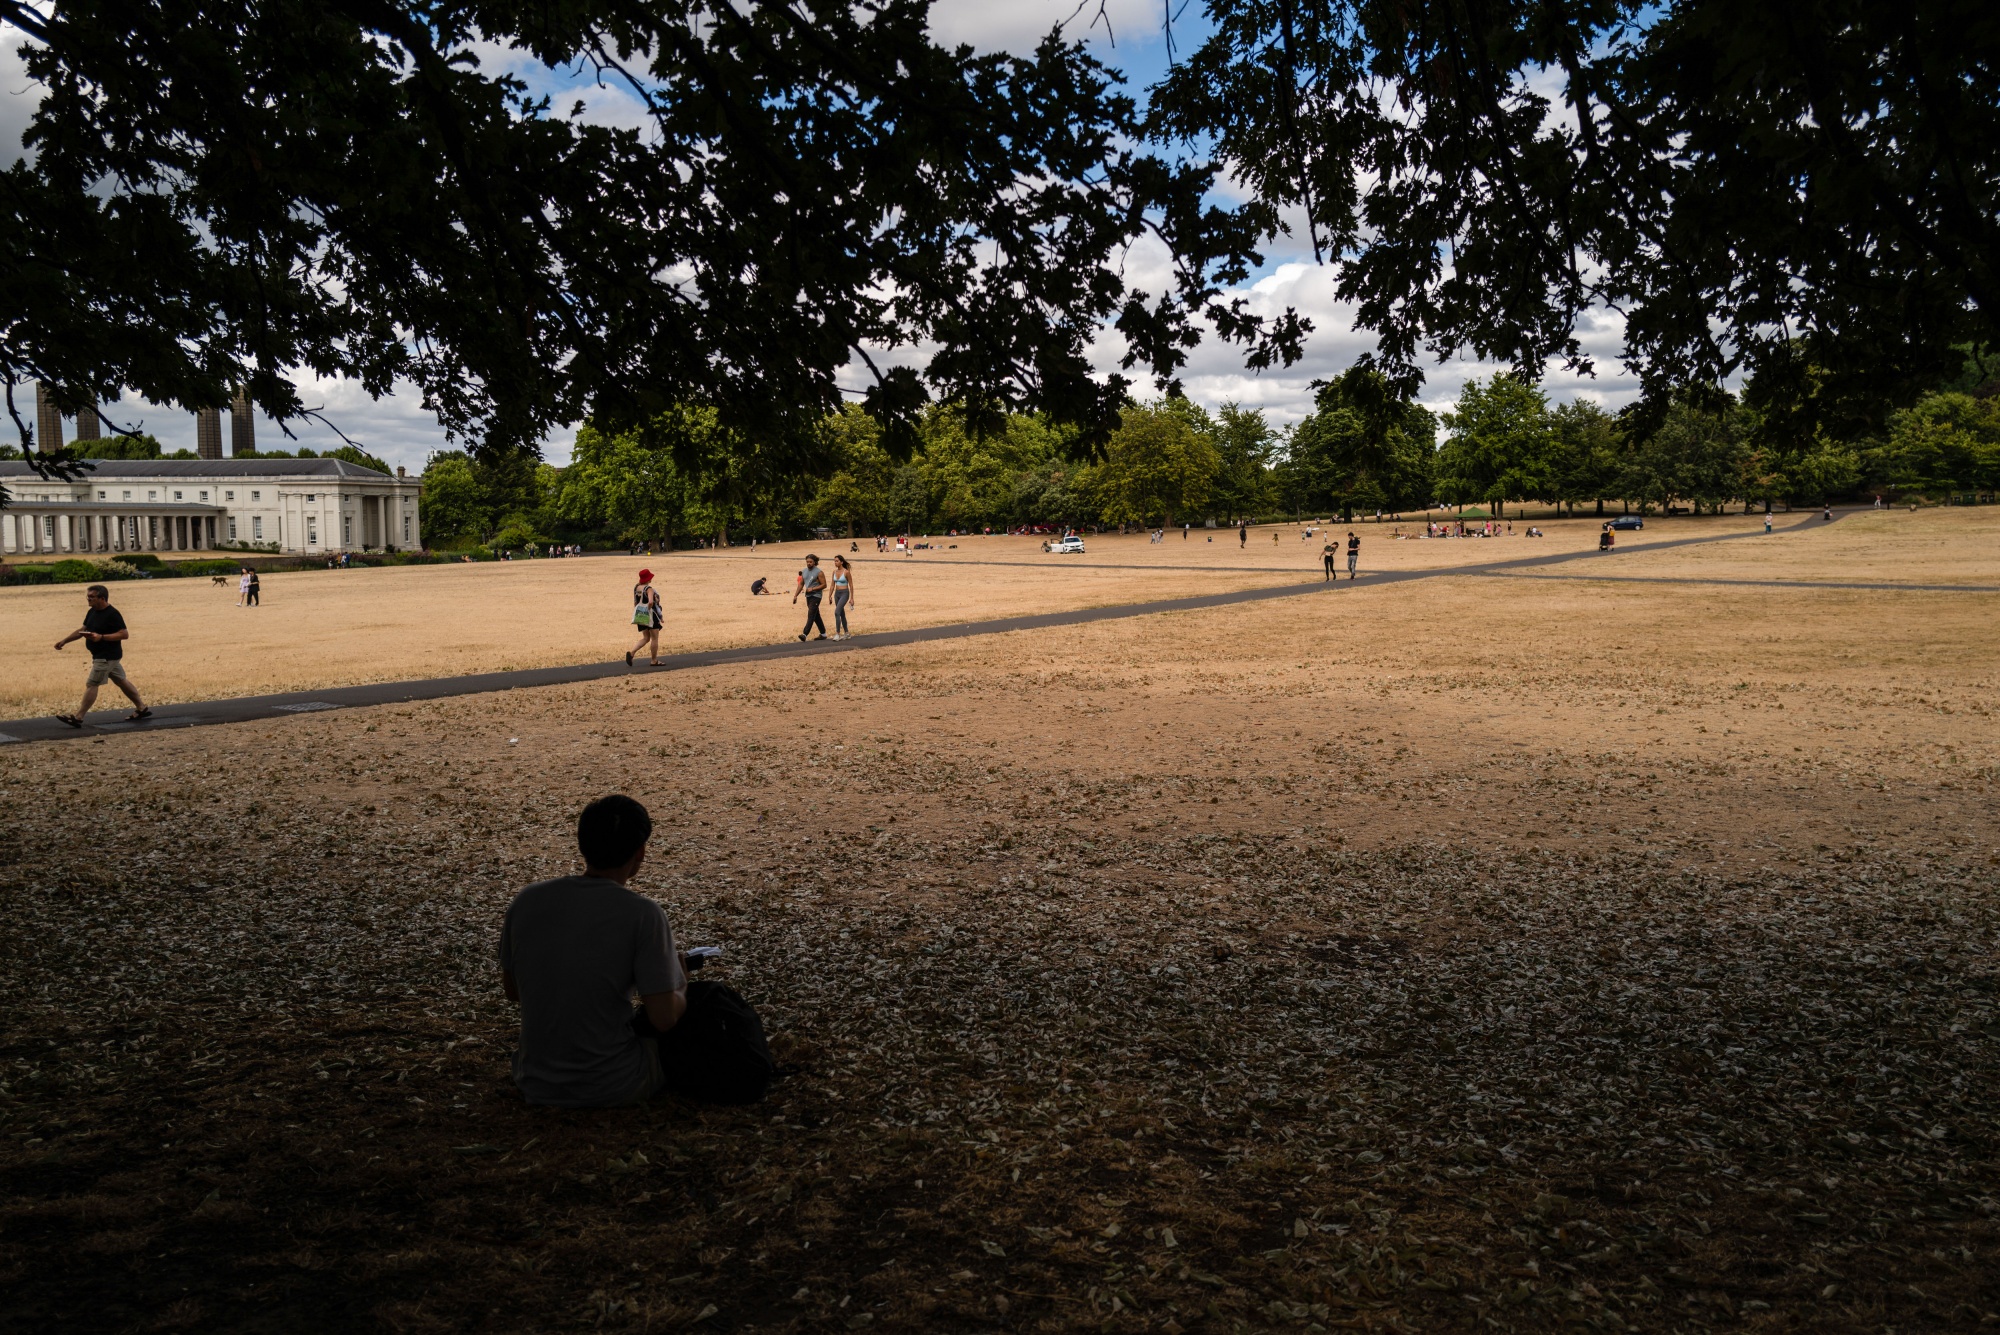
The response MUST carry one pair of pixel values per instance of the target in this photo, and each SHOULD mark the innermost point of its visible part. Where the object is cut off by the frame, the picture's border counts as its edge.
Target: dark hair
(611, 830)
(100, 591)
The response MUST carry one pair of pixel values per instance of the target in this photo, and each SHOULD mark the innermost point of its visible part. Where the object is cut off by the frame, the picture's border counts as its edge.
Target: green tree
(1363, 447)
(1502, 444)
(1245, 443)
(120, 447)
(1156, 466)
(857, 493)
(614, 483)
(1946, 442)
(1695, 454)
(1588, 454)
(454, 507)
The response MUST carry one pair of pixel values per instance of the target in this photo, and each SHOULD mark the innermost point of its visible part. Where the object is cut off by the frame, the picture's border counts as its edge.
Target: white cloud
(1020, 25)
(19, 95)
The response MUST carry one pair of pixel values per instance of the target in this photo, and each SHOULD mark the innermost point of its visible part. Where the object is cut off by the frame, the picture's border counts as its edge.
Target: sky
(1125, 34)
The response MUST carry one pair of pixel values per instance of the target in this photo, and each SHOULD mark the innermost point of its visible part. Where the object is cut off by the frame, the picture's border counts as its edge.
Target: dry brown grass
(1466, 954)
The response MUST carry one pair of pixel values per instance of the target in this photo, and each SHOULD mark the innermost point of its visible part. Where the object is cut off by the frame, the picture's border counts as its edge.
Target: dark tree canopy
(1771, 184)
(223, 192)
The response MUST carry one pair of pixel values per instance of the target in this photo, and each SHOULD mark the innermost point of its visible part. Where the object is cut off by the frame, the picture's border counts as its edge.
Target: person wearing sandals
(104, 631)
(843, 596)
(646, 615)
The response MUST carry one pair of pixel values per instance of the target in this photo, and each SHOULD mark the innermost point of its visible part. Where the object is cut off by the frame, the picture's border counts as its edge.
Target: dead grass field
(1466, 954)
(343, 627)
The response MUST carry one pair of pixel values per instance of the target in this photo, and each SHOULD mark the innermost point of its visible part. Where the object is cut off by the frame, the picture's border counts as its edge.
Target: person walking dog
(104, 631)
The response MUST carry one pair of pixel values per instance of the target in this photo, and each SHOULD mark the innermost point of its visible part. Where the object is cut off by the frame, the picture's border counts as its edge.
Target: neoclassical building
(308, 506)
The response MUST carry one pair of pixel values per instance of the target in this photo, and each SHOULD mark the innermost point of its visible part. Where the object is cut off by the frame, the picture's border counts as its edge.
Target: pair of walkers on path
(814, 584)
(1330, 551)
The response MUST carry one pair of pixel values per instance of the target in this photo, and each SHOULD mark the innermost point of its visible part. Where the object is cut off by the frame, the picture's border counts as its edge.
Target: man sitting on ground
(574, 952)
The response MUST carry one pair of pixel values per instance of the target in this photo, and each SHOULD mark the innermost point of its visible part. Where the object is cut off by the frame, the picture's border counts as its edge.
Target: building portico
(59, 530)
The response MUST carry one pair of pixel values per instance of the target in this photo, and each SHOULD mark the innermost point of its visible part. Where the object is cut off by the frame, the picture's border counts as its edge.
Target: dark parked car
(1628, 521)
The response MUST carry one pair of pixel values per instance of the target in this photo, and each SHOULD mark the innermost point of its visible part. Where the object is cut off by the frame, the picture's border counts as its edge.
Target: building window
(310, 498)
(347, 530)
(406, 529)
(228, 495)
(256, 526)
(128, 495)
(256, 495)
(152, 495)
(312, 531)
(177, 495)
(204, 498)
(100, 495)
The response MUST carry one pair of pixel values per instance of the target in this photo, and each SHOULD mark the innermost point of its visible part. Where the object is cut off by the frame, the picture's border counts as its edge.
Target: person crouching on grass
(104, 631)
(574, 952)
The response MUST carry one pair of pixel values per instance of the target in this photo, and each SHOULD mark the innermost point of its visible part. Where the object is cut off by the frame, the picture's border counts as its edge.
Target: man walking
(812, 583)
(1242, 533)
(1353, 552)
(104, 631)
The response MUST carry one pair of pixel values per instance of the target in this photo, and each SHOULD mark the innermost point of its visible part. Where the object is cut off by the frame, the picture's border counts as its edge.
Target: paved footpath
(245, 708)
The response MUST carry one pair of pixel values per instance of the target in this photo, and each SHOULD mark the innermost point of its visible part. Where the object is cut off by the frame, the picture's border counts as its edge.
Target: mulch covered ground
(1315, 1033)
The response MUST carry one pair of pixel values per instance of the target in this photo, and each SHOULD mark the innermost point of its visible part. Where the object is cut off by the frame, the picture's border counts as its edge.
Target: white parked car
(1064, 545)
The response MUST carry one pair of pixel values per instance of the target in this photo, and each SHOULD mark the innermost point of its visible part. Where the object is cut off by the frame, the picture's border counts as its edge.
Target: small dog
(220, 581)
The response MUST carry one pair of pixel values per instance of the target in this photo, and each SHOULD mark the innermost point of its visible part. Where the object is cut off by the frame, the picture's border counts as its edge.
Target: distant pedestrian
(1326, 555)
(243, 588)
(1184, 532)
(1242, 534)
(1604, 539)
(256, 588)
(1767, 521)
(843, 596)
(104, 631)
(647, 613)
(812, 583)
(1353, 551)
(1826, 511)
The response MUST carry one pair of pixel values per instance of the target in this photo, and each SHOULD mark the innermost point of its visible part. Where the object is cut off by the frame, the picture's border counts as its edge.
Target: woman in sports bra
(646, 615)
(843, 595)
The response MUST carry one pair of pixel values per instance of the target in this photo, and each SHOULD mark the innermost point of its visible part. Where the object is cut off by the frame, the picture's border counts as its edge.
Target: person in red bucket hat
(646, 614)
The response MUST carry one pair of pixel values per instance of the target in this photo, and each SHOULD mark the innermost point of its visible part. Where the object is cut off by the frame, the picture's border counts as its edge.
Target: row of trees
(1362, 450)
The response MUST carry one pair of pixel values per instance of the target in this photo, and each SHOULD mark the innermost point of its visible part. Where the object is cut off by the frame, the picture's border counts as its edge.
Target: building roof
(331, 469)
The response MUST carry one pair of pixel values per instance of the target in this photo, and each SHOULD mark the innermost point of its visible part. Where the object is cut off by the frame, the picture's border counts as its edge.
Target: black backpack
(717, 1052)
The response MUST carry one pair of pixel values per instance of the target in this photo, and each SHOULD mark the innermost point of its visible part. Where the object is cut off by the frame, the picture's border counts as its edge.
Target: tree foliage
(1501, 444)
(226, 192)
(1728, 175)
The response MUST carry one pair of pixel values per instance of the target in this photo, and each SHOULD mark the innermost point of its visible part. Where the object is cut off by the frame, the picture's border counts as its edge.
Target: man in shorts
(104, 631)
(1353, 552)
